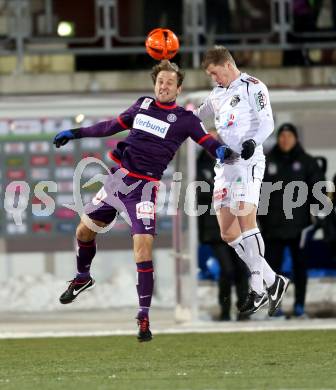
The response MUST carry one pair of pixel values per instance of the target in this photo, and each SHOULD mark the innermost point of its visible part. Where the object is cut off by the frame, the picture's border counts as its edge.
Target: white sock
(255, 259)
(238, 246)
(268, 273)
(253, 262)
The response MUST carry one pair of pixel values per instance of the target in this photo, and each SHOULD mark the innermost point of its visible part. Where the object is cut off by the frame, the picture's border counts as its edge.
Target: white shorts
(239, 182)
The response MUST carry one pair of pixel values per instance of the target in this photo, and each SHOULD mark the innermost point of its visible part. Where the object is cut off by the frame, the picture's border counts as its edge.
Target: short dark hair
(170, 67)
(217, 55)
(288, 127)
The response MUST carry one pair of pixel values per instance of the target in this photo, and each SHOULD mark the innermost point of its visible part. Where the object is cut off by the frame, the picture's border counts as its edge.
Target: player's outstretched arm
(208, 142)
(199, 134)
(101, 129)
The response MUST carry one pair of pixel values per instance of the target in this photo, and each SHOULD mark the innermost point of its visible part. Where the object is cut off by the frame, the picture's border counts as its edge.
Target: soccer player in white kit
(243, 118)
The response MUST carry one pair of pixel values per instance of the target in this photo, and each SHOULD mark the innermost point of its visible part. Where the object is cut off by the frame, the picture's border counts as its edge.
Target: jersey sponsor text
(151, 125)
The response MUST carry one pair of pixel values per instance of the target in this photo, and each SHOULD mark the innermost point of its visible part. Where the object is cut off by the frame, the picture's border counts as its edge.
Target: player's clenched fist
(226, 155)
(64, 137)
(248, 149)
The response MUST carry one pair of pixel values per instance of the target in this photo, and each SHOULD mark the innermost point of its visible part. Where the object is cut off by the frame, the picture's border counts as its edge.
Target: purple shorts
(132, 198)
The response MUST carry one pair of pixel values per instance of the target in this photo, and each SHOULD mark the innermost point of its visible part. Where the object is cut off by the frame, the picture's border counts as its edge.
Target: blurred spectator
(163, 14)
(241, 16)
(288, 162)
(252, 16)
(233, 270)
(327, 22)
(305, 14)
(325, 17)
(218, 22)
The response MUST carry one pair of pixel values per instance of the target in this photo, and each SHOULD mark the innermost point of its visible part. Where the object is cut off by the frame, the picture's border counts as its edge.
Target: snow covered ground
(40, 292)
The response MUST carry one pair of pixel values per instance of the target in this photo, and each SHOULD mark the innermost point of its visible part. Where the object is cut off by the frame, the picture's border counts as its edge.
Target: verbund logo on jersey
(151, 125)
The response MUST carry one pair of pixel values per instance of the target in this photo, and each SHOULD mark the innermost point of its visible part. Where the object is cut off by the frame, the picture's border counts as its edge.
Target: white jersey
(241, 112)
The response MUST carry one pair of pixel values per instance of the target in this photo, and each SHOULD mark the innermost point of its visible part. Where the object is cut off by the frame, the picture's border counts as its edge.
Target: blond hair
(170, 67)
(217, 55)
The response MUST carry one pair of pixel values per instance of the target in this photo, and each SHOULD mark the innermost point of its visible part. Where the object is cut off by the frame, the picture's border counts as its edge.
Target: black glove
(248, 149)
(64, 137)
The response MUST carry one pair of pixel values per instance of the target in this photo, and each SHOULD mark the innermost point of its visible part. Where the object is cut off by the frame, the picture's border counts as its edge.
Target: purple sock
(145, 287)
(85, 254)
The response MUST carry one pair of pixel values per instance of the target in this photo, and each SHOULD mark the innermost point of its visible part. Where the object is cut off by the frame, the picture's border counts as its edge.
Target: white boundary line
(198, 327)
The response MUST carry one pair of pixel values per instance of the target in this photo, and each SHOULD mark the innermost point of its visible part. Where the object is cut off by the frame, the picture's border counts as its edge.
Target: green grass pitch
(208, 361)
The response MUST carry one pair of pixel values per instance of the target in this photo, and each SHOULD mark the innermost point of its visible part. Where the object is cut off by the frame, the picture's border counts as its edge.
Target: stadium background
(56, 75)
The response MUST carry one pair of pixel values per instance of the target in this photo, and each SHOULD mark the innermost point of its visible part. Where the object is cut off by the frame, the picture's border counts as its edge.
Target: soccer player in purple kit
(158, 126)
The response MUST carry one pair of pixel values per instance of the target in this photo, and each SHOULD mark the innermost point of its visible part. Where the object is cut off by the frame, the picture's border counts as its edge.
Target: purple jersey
(156, 132)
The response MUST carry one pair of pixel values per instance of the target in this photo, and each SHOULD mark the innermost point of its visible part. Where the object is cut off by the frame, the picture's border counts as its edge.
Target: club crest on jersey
(235, 100)
(261, 100)
(145, 104)
(171, 118)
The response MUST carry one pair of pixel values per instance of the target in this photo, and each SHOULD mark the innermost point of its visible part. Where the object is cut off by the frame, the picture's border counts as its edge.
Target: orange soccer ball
(162, 44)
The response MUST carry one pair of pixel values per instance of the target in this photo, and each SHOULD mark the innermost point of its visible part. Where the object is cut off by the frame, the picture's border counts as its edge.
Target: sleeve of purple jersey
(104, 129)
(101, 129)
(199, 134)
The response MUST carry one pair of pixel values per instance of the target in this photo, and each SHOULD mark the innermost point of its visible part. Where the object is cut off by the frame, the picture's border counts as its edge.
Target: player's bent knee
(227, 237)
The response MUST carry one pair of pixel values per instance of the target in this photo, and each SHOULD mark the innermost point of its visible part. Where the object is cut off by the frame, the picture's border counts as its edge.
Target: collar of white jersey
(237, 81)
